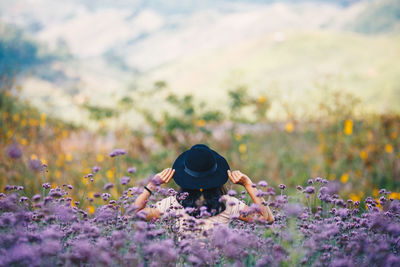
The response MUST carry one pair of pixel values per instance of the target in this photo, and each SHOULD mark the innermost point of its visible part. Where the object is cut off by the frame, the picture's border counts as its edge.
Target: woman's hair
(193, 199)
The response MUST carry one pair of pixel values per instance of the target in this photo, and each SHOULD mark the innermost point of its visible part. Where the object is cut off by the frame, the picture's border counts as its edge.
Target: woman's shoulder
(166, 203)
(233, 205)
(228, 198)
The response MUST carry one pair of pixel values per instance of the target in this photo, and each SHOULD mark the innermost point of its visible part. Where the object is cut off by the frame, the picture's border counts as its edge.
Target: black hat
(200, 168)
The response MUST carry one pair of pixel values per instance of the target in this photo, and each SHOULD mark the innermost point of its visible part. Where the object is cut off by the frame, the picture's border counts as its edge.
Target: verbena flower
(35, 165)
(132, 170)
(309, 190)
(108, 186)
(14, 151)
(117, 152)
(263, 183)
(124, 180)
(95, 169)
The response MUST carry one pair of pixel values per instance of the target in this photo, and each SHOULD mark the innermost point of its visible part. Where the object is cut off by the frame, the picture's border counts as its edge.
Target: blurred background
(285, 90)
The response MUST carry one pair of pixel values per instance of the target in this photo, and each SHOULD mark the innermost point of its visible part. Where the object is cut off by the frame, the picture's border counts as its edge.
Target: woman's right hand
(237, 177)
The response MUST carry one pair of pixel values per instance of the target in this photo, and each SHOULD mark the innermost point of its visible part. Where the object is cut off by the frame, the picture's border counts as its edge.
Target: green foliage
(100, 113)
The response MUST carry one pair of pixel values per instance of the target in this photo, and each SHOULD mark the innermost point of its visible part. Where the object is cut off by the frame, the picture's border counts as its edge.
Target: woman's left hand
(166, 175)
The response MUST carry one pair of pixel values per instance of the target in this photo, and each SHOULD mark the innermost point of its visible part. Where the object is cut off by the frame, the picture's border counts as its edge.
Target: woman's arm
(141, 201)
(238, 177)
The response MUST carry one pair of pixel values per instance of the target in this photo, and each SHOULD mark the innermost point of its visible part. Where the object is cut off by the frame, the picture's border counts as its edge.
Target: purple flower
(117, 152)
(124, 180)
(36, 197)
(108, 186)
(309, 190)
(310, 181)
(162, 252)
(14, 151)
(105, 196)
(382, 191)
(263, 183)
(318, 180)
(35, 165)
(270, 191)
(156, 180)
(282, 186)
(232, 193)
(46, 185)
(299, 187)
(96, 169)
(132, 170)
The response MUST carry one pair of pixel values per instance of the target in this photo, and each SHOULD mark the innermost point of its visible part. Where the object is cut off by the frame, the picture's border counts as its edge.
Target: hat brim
(216, 179)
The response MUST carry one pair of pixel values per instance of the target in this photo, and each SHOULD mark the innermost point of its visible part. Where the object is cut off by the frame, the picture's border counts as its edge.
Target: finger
(230, 175)
(161, 174)
(170, 173)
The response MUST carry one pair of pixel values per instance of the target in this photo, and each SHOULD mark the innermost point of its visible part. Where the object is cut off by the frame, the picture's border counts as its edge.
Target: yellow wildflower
(375, 192)
(68, 157)
(91, 209)
(64, 133)
(348, 127)
(100, 158)
(16, 117)
(33, 122)
(354, 197)
(261, 99)
(363, 154)
(238, 137)
(242, 148)
(289, 127)
(389, 148)
(344, 178)
(200, 123)
(110, 174)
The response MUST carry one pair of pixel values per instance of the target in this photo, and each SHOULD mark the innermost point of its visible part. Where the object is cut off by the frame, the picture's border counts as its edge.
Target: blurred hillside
(87, 54)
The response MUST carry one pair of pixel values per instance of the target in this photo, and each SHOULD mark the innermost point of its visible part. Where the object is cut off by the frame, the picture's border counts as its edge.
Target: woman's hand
(166, 175)
(237, 177)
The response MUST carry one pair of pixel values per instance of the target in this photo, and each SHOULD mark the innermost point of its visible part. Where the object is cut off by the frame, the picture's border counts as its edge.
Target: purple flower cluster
(14, 151)
(117, 152)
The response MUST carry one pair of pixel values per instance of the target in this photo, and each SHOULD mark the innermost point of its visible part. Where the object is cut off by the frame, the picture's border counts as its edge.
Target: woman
(201, 174)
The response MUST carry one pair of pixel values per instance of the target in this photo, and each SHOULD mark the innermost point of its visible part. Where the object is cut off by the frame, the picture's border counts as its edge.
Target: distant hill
(294, 68)
(105, 50)
(381, 16)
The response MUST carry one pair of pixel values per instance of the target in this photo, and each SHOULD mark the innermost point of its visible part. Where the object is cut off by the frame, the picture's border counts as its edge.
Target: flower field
(67, 191)
(47, 230)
